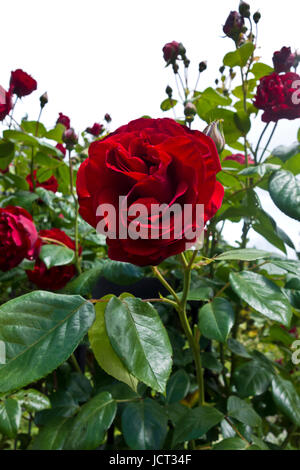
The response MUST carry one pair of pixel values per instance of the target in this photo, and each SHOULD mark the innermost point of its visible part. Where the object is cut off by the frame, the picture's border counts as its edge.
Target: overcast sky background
(96, 56)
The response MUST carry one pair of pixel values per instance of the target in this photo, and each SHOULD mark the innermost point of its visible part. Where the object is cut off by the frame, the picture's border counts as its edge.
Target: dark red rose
(62, 149)
(234, 25)
(51, 184)
(240, 158)
(22, 84)
(65, 120)
(283, 60)
(171, 51)
(149, 161)
(57, 277)
(18, 237)
(5, 103)
(107, 118)
(95, 130)
(277, 95)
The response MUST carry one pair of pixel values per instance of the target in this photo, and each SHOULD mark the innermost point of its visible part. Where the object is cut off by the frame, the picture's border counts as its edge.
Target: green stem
(259, 141)
(268, 143)
(75, 363)
(77, 261)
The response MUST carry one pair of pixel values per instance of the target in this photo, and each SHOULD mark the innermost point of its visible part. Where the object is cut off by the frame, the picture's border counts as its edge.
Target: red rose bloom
(51, 184)
(18, 237)
(5, 103)
(171, 51)
(95, 130)
(22, 84)
(277, 95)
(65, 120)
(240, 158)
(149, 161)
(234, 25)
(283, 60)
(62, 149)
(56, 277)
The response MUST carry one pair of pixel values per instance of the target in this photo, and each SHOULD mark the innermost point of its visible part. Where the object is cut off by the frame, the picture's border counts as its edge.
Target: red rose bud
(244, 9)
(202, 66)
(22, 84)
(215, 132)
(283, 60)
(107, 118)
(18, 237)
(56, 277)
(171, 52)
(278, 96)
(240, 158)
(51, 184)
(70, 138)
(95, 130)
(149, 160)
(61, 148)
(44, 99)
(256, 17)
(169, 91)
(234, 25)
(5, 103)
(65, 120)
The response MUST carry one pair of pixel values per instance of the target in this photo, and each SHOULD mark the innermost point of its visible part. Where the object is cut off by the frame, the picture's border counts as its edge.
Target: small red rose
(63, 119)
(95, 130)
(56, 277)
(22, 84)
(278, 96)
(51, 184)
(62, 149)
(240, 158)
(18, 237)
(283, 60)
(5, 103)
(171, 51)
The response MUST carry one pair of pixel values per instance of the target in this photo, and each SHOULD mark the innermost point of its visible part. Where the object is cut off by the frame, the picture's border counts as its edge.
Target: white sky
(96, 56)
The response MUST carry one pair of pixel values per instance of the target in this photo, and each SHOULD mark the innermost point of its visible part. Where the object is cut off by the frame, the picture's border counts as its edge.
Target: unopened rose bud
(190, 111)
(234, 25)
(70, 138)
(175, 68)
(256, 17)
(171, 52)
(44, 99)
(244, 9)
(186, 62)
(181, 49)
(221, 69)
(215, 132)
(217, 81)
(202, 66)
(107, 118)
(169, 91)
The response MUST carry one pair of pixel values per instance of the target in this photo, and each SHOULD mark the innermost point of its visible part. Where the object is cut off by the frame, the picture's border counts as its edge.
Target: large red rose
(51, 184)
(56, 277)
(18, 237)
(278, 96)
(5, 103)
(149, 161)
(22, 84)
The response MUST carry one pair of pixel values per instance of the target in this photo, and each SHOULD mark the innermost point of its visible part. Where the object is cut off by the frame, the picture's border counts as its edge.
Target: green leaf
(144, 425)
(251, 379)
(246, 254)
(196, 422)
(284, 190)
(43, 174)
(104, 353)
(267, 228)
(238, 348)
(121, 273)
(40, 331)
(286, 398)
(10, 417)
(168, 104)
(232, 443)
(260, 70)
(56, 133)
(44, 160)
(260, 170)
(140, 340)
(6, 148)
(209, 361)
(90, 424)
(240, 56)
(201, 293)
(216, 98)
(84, 283)
(242, 121)
(56, 255)
(289, 265)
(54, 435)
(285, 153)
(35, 128)
(32, 400)
(262, 295)
(216, 319)
(243, 412)
(19, 136)
(178, 386)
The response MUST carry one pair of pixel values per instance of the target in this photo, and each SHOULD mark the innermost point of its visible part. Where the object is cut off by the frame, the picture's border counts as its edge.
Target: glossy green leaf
(232, 443)
(242, 121)
(10, 417)
(84, 283)
(32, 400)
(196, 422)
(54, 435)
(19, 136)
(216, 319)
(178, 386)
(104, 353)
(144, 425)
(35, 128)
(40, 331)
(251, 379)
(240, 56)
(246, 254)
(242, 411)
(56, 255)
(238, 348)
(284, 190)
(262, 295)
(140, 340)
(286, 398)
(121, 273)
